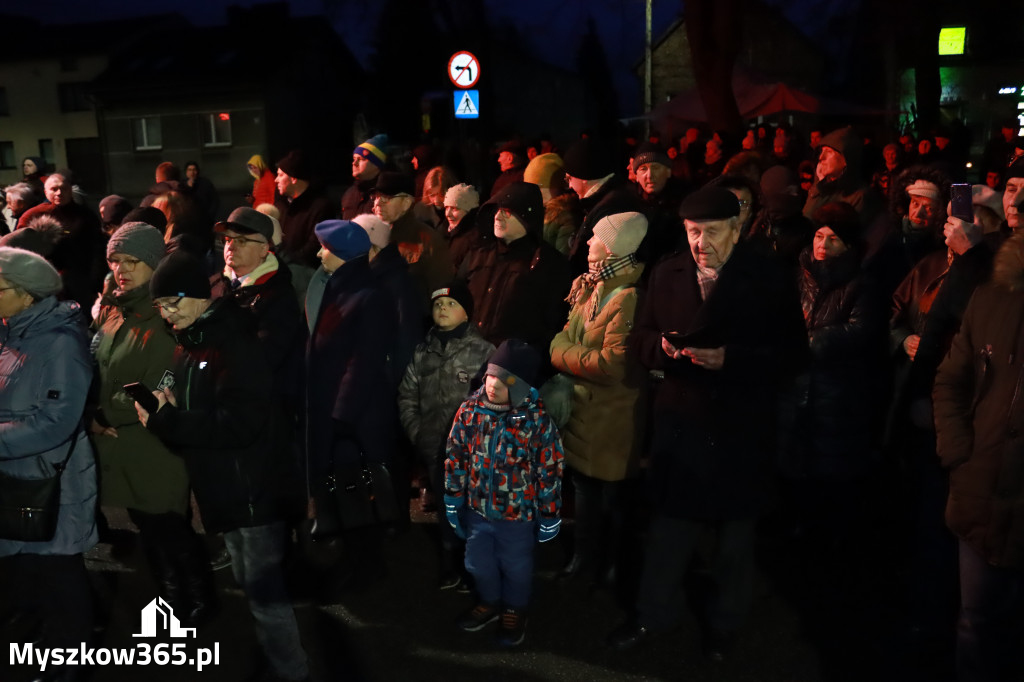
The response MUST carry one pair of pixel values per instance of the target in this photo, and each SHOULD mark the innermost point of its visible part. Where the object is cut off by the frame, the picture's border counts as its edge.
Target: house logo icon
(158, 616)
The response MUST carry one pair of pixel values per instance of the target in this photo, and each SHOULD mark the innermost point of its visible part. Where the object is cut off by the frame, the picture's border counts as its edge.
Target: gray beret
(138, 240)
(29, 271)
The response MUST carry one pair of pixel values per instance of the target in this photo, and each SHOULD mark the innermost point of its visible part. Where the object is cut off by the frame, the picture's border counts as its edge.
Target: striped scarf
(594, 281)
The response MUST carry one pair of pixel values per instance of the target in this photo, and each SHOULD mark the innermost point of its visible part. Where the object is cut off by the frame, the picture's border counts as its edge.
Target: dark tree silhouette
(592, 65)
(712, 27)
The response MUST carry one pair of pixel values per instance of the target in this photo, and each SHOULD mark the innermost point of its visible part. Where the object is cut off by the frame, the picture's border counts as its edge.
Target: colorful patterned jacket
(508, 464)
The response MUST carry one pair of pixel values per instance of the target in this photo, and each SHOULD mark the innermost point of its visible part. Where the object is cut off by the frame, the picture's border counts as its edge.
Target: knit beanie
(344, 238)
(294, 165)
(983, 195)
(1015, 169)
(463, 197)
(842, 219)
(138, 240)
(377, 230)
(524, 201)
(180, 274)
(149, 215)
(542, 168)
(589, 160)
(649, 152)
(373, 150)
(460, 292)
(29, 271)
(113, 209)
(516, 364)
(29, 239)
(710, 203)
(621, 233)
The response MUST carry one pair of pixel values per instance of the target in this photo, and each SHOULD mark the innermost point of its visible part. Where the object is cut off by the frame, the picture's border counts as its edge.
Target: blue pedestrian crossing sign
(467, 103)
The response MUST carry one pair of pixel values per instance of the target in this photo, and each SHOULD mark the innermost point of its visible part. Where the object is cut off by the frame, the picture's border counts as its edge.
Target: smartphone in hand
(141, 394)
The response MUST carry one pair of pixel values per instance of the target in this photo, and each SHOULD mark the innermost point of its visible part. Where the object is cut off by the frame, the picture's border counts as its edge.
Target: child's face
(496, 390)
(448, 314)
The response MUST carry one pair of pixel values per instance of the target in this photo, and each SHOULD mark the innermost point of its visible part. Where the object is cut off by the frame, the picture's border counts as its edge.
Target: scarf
(594, 281)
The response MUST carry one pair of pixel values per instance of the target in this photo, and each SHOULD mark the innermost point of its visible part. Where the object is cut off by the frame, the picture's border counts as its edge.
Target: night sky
(554, 28)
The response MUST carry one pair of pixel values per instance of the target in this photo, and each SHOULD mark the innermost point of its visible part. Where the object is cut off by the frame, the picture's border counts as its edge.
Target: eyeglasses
(744, 203)
(170, 307)
(241, 241)
(384, 198)
(127, 264)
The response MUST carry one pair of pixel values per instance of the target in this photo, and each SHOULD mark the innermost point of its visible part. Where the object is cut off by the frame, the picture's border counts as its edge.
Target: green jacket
(132, 343)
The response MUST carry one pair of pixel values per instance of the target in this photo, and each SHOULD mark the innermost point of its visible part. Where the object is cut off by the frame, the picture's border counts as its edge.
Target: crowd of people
(697, 341)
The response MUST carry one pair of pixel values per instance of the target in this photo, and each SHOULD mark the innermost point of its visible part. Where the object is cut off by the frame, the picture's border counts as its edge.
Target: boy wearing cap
(435, 384)
(503, 487)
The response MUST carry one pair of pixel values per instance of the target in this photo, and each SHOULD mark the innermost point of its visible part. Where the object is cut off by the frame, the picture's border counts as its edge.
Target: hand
(961, 236)
(451, 512)
(910, 345)
(97, 429)
(708, 358)
(548, 529)
(163, 397)
(670, 350)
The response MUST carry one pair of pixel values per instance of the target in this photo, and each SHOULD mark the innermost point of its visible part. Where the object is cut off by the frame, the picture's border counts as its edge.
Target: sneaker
(477, 618)
(512, 629)
(450, 581)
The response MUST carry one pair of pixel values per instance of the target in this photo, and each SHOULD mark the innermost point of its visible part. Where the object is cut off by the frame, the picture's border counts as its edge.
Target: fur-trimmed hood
(1009, 265)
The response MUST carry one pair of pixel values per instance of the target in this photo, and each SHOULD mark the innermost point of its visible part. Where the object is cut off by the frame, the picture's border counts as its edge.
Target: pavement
(391, 622)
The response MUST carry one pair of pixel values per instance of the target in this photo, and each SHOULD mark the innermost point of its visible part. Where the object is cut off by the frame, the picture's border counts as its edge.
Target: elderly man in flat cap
(721, 327)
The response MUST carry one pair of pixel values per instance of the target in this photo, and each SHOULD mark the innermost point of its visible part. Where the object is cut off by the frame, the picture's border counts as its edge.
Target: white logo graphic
(158, 616)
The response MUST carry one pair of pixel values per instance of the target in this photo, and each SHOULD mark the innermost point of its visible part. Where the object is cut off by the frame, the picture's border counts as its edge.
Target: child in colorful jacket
(503, 487)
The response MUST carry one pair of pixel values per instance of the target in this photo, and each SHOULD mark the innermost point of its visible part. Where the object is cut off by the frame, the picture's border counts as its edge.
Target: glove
(548, 529)
(451, 512)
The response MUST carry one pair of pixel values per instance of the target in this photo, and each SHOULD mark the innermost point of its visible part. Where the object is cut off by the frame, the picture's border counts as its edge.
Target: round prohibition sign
(463, 69)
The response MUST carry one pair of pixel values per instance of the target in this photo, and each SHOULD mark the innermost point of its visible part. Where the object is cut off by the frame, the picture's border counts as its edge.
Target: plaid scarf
(594, 281)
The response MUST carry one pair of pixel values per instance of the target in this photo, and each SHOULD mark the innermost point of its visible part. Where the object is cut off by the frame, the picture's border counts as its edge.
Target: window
(952, 39)
(146, 133)
(46, 151)
(216, 129)
(5, 109)
(72, 97)
(7, 155)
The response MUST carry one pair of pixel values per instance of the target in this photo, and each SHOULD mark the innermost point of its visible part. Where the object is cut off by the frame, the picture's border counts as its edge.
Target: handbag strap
(71, 449)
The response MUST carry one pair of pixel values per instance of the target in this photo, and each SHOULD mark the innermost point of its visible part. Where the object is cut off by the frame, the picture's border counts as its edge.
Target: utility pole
(648, 69)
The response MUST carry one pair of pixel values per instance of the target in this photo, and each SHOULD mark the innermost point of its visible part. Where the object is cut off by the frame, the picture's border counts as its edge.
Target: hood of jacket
(42, 316)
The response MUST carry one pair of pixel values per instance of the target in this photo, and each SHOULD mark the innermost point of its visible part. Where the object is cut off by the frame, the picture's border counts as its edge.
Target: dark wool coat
(350, 397)
(979, 416)
(358, 198)
(466, 236)
(221, 424)
(614, 196)
(426, 252)
(392, 276)
(832, 408)
(715, 431)
(298, 218)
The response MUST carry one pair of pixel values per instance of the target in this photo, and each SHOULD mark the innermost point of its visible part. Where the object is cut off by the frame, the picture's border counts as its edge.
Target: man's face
(691, 135)
(712, 152)
(330, 262)
(389, 209)
(285, 184)
(16, 205)
(180, 311)
(243, 253)
(746, 202)
(362, 169)
(191, 171)
(448, 313)
(1007, 133)
(992, 179)
(890, 154)
(28, 167)
(923, 211)
(496, 390)
(815, 139)
(58, 191)
(454, 214)
(506, 160)
(652, 177)
(1013, 195)
(577, 185)
(712, 242)
(831, 164)
(507, 227)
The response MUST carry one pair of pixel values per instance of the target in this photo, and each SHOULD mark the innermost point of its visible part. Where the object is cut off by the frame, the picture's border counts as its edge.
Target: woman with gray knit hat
(46, 370)
(132, 344)
(600, 440)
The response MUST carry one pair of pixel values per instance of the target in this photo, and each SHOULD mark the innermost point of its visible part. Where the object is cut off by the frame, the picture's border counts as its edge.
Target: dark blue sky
(554, 28)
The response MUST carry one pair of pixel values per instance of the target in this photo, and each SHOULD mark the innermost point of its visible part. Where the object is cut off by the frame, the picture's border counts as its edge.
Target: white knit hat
(621, 233)
(923, 188)
(377, 230)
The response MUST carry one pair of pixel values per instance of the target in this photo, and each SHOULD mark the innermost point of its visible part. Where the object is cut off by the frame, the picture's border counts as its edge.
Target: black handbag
(356, 494)
(29, 507)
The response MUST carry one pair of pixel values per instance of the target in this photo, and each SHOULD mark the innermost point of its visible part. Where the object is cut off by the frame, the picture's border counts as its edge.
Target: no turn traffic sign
(463, 69)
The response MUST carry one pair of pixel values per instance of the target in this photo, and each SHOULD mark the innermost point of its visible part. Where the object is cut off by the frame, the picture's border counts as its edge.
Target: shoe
(477, 618)
(719, 645)
(450, 581)
(628, 635)
(222, 560)
(512, 628)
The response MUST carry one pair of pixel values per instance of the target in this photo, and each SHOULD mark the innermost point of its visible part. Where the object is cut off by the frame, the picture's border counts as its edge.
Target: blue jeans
(499, 556)
(256, 556)
(991, 626)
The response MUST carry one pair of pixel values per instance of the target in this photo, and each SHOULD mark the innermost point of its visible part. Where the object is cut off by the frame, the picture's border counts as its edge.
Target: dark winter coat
(45, 370)
(426, 252)
(137, 470)
(350, 396)
(714, 431)
(298, 218)
(851, 186)
(979, 416)
(392, 276)
(664, 226)
(466, 236)
(435, 384)
(614, 196)
(831, 408)
(221, 424)
(358, 198)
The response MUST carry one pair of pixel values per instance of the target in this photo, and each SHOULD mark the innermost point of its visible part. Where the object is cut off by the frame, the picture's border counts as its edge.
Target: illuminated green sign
(951, 40)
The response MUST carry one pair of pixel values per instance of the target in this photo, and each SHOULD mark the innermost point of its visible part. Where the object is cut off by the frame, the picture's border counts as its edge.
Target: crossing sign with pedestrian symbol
(467, 103)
